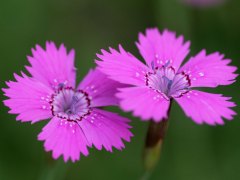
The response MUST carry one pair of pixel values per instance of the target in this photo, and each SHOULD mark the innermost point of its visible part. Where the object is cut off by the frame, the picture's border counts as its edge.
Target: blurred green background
(190, 151)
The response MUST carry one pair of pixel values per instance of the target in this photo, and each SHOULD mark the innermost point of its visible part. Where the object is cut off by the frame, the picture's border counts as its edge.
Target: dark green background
(191, 152)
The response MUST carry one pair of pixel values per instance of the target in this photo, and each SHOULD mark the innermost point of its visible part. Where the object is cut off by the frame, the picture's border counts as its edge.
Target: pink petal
(207, 108)
(144, 102)
(101, 89)
(209, 70)
(106, 129)
(64, 138)
(162, 48)
(28, 98)
(122, 66)
(53, 66)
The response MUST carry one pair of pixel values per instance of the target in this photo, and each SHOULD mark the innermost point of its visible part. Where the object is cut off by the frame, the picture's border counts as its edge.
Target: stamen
(165, 81)
(70, 104)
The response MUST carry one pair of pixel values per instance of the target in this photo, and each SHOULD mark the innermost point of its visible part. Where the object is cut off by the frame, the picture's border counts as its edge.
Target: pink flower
(76, 120)
(162, 79)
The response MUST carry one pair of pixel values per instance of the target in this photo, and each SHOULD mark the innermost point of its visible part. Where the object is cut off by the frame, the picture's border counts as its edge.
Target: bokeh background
(190, 151)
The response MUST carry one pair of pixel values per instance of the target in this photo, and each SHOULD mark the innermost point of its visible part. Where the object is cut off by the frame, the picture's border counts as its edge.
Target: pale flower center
(170, 84)
(70, 104)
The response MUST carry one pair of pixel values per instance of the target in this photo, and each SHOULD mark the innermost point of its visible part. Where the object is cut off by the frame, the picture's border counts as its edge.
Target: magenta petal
(144, 102)
(28, 98)
(53, 66)
(101, 89)
(207, 108)
(122, 66)
(209, 70)
(64, 138)
(106, 129)
(162, 48)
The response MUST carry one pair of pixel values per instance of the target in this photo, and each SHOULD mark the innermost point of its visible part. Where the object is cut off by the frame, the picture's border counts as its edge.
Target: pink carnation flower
(154, 85)
(76, 120)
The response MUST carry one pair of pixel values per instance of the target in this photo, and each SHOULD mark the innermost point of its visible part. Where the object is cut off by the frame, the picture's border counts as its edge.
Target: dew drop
(73, 131)
(156, 56)
(137, 74)
(91, 121)
(188, 96)
(92, 86)
(194, 79)
(44, 107)
(201, 74)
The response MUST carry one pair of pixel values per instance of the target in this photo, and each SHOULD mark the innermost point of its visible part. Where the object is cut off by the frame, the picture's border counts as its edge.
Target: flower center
(170, 84)
(70, 104)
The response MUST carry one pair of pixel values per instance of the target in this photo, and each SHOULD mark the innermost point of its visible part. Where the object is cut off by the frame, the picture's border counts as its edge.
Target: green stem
(53, 169)
(153, 144)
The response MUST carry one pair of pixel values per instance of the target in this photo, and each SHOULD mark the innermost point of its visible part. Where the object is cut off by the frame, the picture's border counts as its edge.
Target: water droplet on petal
(201, 74)
(137, 74)
(44, 107)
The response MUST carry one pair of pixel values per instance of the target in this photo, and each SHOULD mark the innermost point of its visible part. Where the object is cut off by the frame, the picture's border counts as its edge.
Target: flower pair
(77, 122)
